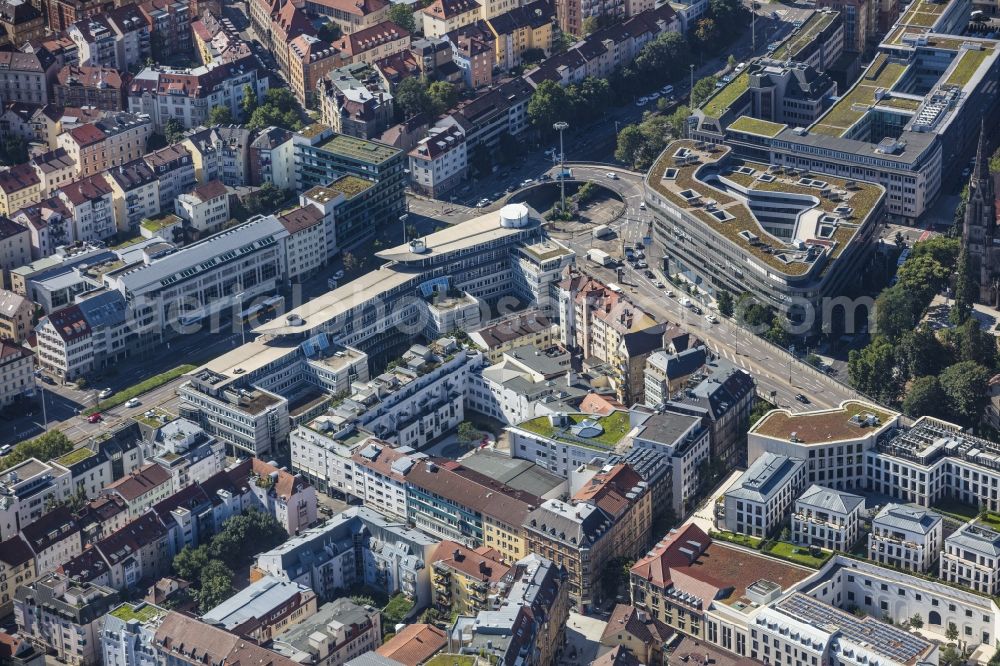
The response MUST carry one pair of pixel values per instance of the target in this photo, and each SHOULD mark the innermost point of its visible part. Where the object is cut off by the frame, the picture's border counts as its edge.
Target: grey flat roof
(514, 472)
(916, 144)
(827, 499)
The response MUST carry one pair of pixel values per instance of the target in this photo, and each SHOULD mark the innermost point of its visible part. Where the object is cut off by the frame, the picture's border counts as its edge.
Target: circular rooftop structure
(514, 216)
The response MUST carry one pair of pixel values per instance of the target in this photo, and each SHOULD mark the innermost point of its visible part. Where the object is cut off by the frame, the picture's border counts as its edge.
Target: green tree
(964, 286)
(331, 32)
(350, 262)
(777, 333)
(402, 15)
(922, 276)
(443, 95)
(703, 89)
(44, 447)
(726, 304)
(548, 105)
(364, 600)
(216, 585)
(705, 31)
(591, 97)
(590, 25)
(951, 633)
(280, 109)
(173, 130)
(630, 140)
(189, 563)
(245, 535)
(220, 115)
(467, 432)
(678, 120)
(922, 352)
(663, 59)
(431, 616)
(873, 370)
(965, 387)
(249, 101)
(412, 97)
(942, 249)
(924, 398)
(916, 621)
(896, 312)
(975, 344)
(950, 656)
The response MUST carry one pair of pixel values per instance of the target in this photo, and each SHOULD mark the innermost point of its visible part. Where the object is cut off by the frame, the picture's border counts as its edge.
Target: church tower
(979, 226)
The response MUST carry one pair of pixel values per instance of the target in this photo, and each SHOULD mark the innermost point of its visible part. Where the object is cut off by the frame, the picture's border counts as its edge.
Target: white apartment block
(17, 366)
(85, 336)
(380, 478)
(26, 491)
(440, 161)
(832, 442)
(761, 498)
(206, 207)
(971, 558)
(906, 537)
(128, 635)
(825, 518)
(306, 243)
(682, 437)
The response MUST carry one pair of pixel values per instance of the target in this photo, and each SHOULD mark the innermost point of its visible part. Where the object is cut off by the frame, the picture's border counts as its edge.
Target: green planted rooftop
(359, 150)
(861, 197)
(75, 456)
(452, 660)
(757, 126)
(726, 96)
(798, 42)
(350, 186)
(159, 222)
(612, 427)
(143, 613)
(967, 65)
(850, 108)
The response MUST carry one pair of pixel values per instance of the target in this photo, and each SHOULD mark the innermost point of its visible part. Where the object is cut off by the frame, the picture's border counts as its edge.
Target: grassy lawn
(740, 539)
(757, 126)
(726, 96)
(991, 520)
(966, 67)
(452, 660)
(153, 382)
(798, 554)
(959, 510)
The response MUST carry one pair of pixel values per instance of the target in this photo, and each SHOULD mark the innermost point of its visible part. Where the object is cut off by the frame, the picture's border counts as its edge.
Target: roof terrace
(800, 39)
(853, 419)
(603, 432)
(359, 149)
(880, 77)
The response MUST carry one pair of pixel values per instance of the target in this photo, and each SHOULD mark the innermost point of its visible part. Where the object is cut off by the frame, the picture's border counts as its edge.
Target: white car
(641, 101)
(612, 175)
(654, 95)
(657, 284)
(670, 293)
(106, 393)
(338, 275)
(134, 402)
(686, 302)
(712, 319)
(667, 90)
(642, 205)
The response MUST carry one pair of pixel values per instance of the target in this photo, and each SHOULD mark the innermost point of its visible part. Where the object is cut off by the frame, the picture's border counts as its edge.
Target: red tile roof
(140, 482)
(414, 645)
(483, 566)
(87, 135)
(370, 38)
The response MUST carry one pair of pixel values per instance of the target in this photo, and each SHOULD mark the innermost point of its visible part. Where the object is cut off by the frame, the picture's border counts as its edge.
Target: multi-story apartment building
(440, 161)
(305, 246)
(521, 29)
(761, 498)
(24, 77)
(54, 169)
(19, 187)
(442, 16)
(825, 518)
(64, 616)
(386, 554)
(263, 609)
(355, 100)
(473, 49)
(906, 537)
(350, 15)
(22, 22)
(53, 539)
(143, 488)
(85, 85)
(971, 558)
(188, 95)
(98, 146)
(467, 581)
(127, 634)
(135, 194)
(15, 246)
(16, 316)
(174, 169)
(222, 153)
(310, 59)
(80, 338)
(26, 490)
(626, 497)
(374, 43)
(90, 202)
(170, 27)
(563, 442)
(833, 442)
(530, 328)
(338, 632)
(17, 366)
(578, 535)
(17, 568)
(272, 158)
(205, 208)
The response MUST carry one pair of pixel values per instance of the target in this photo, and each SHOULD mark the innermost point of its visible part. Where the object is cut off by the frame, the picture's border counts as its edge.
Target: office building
(761, 498)
(906, 537)
(824, 518)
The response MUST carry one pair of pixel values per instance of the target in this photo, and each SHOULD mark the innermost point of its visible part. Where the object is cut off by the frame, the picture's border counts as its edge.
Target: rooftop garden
(923, 13)
(799, 554)
(75, 456)
(720, 102)
(451, 660)
(615, 426)
(145, 613)
(757, 126)
(842, 115)
(966, 67)
(154, 224)
(795, 44)
(901, 103)
(350, 186)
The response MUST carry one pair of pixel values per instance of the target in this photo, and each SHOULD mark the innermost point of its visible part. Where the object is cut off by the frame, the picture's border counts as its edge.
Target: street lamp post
(561, 127)
(691, 96)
